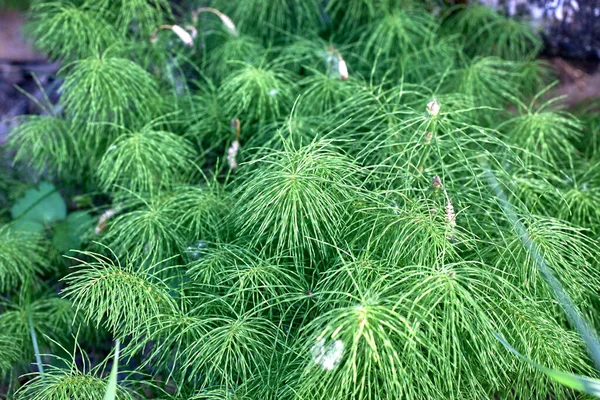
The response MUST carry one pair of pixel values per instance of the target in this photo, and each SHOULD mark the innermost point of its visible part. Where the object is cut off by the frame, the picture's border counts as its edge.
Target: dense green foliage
(290, 202)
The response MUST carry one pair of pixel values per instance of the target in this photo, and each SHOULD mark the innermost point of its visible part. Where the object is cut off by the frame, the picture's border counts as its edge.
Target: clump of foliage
(287, 200)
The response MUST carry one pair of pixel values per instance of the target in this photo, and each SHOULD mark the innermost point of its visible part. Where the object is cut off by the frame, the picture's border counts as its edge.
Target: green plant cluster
(286, 199)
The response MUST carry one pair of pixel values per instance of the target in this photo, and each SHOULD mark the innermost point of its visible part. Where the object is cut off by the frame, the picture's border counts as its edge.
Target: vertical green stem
(432, 127)
(36, 348)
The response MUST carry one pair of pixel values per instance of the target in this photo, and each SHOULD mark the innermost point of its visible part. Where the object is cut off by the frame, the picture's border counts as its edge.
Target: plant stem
(35, 344)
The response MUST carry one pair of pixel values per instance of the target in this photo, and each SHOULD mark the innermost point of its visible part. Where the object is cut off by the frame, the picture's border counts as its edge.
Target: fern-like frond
(511, 39)
(569, 253)
(297, 204)
(419, 144)
(123, 95)
(147, 228)
(10, 352)
(537, 189)
(219, 394)
(167, 337)
(256, 93)
(224, 350)
(430, 60)
(200, 211)
(409, 231)
(398, 33)
(299, 129)
(486, 32)
(461, 302)
(207, 123)
(228, 55)
(64, 379)
(145, 160)
(322, 92)
(234, 349)
(352, 13)
(246, 280)
(269, 18)
(309, 53)
(467, 20)
(533, 328)
(60, 385)
(52, 318)
(22, 257)
(544, 135)
(589, 143)
(489, 81)
(46, 142)
(297, 200)
(533, 76)
(67, 31)
(352, 274)
(581, 196)
(142, 294)
(363, 336)
(349, 15)
(137, 17)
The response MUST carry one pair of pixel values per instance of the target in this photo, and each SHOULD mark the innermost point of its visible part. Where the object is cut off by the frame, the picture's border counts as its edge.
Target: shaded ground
(17, 64)
(580, 81)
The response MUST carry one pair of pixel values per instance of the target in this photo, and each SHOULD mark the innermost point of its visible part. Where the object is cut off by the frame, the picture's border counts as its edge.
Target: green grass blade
(577, 382)
(571, 310)
(111, 388)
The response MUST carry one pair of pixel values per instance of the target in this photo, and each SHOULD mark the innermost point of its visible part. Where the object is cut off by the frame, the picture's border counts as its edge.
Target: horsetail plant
(284, 200)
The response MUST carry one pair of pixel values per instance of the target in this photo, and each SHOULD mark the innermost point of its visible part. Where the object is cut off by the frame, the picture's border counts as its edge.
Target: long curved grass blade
(578, 382)
(590, 339)
(111, 388)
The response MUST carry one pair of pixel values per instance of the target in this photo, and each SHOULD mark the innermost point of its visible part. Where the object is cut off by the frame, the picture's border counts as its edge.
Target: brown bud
(236, 126)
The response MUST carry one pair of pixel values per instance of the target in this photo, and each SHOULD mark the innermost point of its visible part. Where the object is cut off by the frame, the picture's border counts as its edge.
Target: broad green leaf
(39, 206)
(69, 234)
(577, 382)
(24, 225)
(111, 388)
